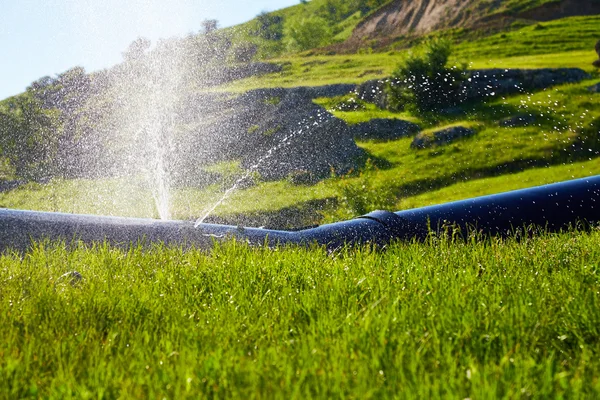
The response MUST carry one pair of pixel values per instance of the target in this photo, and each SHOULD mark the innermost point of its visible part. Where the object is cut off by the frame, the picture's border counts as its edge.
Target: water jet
(552, 207)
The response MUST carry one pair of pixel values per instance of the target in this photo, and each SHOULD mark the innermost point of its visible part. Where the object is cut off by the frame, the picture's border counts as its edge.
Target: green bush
(588, 138)
(426, 82)
(359, 196)
(307, 33)
(348, 103)
(30, 137)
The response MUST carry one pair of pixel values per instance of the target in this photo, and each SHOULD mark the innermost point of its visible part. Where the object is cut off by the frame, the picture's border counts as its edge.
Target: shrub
(588, 139)
(361, 195)
(425, 82)
(348, 103)
(306, 33)
(268, 26)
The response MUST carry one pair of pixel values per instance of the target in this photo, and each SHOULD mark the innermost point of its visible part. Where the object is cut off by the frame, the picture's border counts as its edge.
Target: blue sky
(47, 37)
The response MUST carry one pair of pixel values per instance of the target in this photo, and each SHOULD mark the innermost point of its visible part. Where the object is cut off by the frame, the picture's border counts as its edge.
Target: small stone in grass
(73, 277)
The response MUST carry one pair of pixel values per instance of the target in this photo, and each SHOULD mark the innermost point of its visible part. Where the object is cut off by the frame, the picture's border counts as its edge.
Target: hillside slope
(418, 17)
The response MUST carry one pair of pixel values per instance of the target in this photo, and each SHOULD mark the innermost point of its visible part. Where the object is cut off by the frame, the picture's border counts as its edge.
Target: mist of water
(284, 142)
(144, 89)
(148, 87)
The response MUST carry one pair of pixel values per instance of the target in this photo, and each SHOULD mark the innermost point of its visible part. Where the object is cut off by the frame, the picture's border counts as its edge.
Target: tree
(136, 49)
(307, 33)
(426, 82)
(268, 26)
(29, 137)
(209, 26)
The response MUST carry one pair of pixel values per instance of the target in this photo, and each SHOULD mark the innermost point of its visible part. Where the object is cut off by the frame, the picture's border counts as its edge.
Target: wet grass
(483, 319)
(119, 197)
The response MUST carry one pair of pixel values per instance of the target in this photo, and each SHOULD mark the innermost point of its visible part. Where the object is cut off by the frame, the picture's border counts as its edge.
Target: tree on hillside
(29, 137)
(307, 33)
(268, 26)
(426, 82)
(338, 10)
(209, 26)
(136, 49)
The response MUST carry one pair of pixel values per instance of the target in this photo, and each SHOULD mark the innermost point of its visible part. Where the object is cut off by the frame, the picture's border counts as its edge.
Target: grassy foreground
(483, 319)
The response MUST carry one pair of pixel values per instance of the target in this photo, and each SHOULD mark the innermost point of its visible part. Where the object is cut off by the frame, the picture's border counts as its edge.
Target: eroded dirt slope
(418, 17)
(403, 17)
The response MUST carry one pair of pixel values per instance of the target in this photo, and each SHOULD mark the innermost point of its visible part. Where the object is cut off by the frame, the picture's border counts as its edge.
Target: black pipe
(552, 207)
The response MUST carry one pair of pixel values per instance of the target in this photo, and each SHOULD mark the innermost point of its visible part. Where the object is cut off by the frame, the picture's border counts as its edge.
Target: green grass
(504, 183)
(486, 319)
(131, 198)
(315, 70)
(574, 59)
(575, 34)
(568, 42)
(134, 199)
(522, 5)
(370, 112)
(346, 27)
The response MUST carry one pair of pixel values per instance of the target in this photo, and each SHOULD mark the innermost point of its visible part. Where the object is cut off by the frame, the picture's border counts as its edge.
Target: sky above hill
(46, 37)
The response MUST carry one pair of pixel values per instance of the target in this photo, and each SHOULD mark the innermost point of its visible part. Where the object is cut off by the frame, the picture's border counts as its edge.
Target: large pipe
(552, 207)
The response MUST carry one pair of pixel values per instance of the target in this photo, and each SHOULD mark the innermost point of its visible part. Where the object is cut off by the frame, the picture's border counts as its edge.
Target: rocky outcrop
(384, 129)
(594, 88)
(374, 91)
(411, 17)
(597, 48)
(274, 132)
(335, 90)
(278, 132)
(441, 137)
(486, 83)
(482, 84)
(517, 121)
(6, 186)
(219, 76)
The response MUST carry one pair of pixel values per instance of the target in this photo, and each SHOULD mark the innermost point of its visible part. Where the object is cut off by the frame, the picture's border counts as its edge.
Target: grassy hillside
(399, 173)
(342, 16)
(408, 174)
(553, 37)
(316, 23)
(567, 42)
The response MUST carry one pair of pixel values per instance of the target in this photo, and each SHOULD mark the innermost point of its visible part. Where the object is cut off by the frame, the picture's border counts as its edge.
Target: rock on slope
(275, 132)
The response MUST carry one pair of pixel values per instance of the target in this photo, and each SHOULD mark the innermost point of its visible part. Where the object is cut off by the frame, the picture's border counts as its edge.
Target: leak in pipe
(552, 207)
